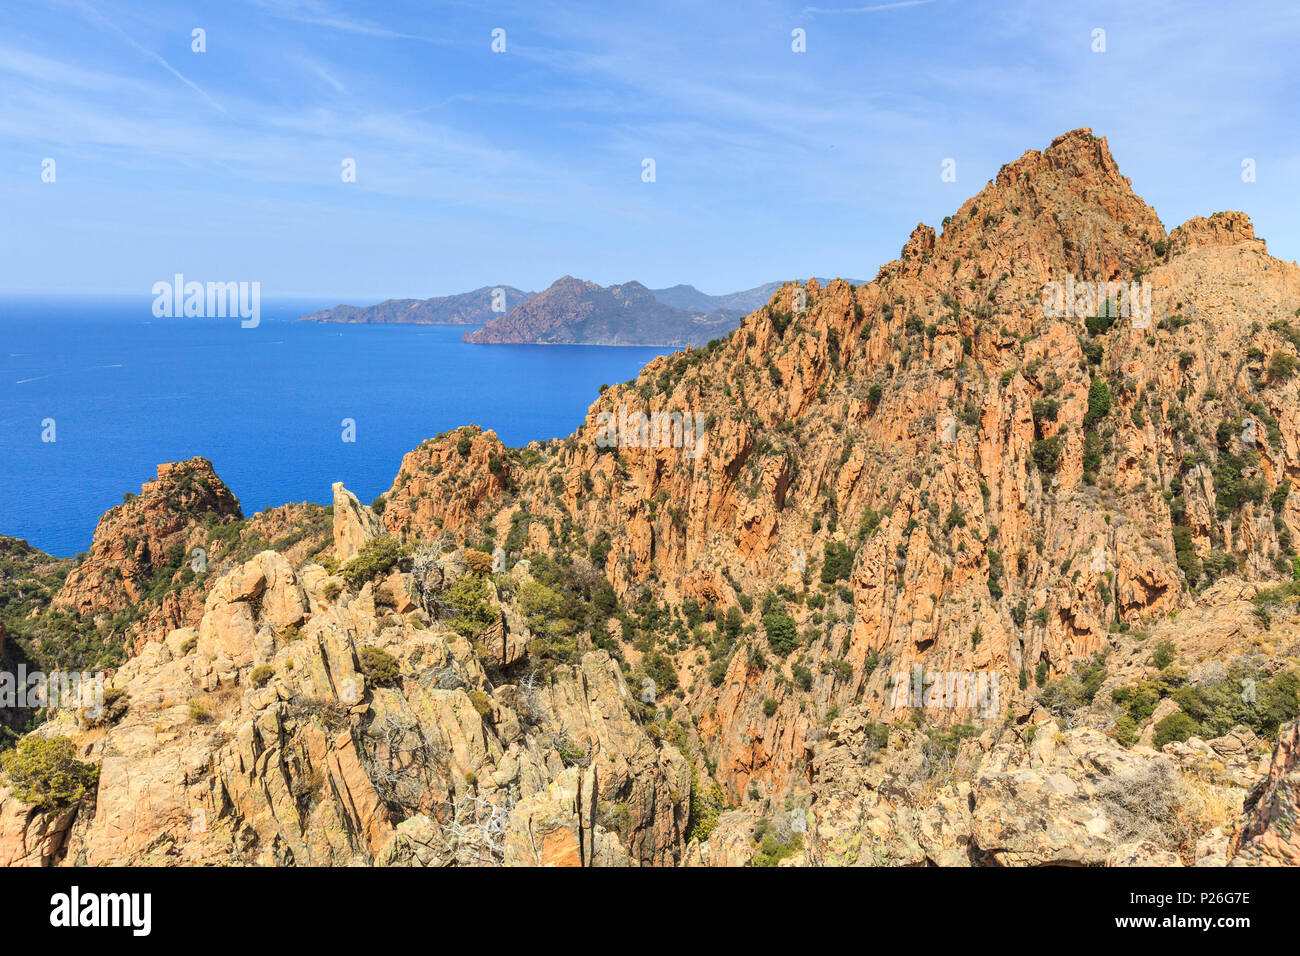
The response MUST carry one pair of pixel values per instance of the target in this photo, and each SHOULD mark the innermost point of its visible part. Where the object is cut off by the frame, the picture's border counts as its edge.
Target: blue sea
(126, 391)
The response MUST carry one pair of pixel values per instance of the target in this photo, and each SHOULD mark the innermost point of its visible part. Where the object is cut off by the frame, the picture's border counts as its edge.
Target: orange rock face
(154, 556)
(445, 484)
(1268, 835)
(941, 424)
(133, 539)
(1049, 431)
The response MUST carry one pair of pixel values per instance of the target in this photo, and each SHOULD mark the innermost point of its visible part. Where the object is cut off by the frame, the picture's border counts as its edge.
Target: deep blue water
(127, 391)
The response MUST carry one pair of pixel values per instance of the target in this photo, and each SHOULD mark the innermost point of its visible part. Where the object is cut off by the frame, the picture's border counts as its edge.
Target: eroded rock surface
(651, 643)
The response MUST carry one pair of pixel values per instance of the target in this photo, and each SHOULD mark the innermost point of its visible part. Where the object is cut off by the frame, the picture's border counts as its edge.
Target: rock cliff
(988, 561)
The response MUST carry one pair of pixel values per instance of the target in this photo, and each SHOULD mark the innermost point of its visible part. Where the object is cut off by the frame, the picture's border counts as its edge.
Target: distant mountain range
(467, 308)
(693, 300)
(572, 312)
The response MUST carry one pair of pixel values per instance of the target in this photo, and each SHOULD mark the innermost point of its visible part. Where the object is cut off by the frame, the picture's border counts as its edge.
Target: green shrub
(769, 707)
(481, 701)
(1185, 554)
(377, 557)
(261, 674)
(379, 667)
(1045, 410)
(1282, 366)
(955, 519)
(1076, 689)
(538, 602)
(870, 522)
(470, 597)
(837, 563)
(1047, 454)
(1100, 324)
(478, 562)
(1278, 498)
(1126, 731)
(1098, 402)
(600, 548)
(1218, 563)
(1231, 487)
(1221, 704)
(46, 773)
(877, 735)
(1018, 612)
(803, 677)
(1175, 727)
(995, 574)
(773, 846)
(1163, 655)
(199, 712)
(782, 634)
(707, 804)
(1138, 699)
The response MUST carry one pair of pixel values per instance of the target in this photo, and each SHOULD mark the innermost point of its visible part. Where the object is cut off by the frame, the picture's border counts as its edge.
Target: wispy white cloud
(316, 69)
(319, 14)
(532, 157)
(95, 16)
(874, 8)
(51, 72)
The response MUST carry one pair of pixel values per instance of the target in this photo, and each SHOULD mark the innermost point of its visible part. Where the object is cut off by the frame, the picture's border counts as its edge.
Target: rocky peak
(632, 293)
(192, 488)
(138, 539)
(354, 524)
(920, 243)
(1013, 488)
(1081, 154)
(569, 286)
(446, 483)
(1067, 209)
(1221, 229)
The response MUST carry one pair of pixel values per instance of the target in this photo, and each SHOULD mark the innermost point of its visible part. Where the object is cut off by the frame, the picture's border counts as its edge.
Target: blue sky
(478, 168)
